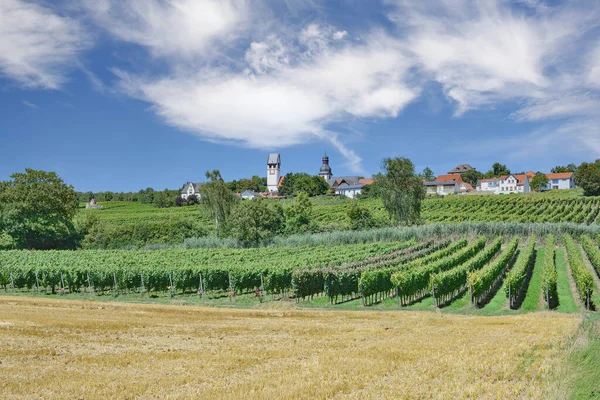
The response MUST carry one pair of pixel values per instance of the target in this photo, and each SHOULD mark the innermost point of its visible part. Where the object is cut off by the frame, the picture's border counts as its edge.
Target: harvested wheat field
(53, 348)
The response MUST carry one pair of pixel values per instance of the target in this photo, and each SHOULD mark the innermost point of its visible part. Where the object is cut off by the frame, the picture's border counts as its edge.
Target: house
(513, 183)
(441, 188)
(465, 188)
(336, 181)
(450, 177)
(563, 180)
(191, 189)
(250, 195)
(93, 205)
(444, 185)
(461, 169)
(366, 181)
(351, 191)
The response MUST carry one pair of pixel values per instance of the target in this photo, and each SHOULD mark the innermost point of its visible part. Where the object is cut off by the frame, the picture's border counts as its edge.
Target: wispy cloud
(37, 46)
(29, 104)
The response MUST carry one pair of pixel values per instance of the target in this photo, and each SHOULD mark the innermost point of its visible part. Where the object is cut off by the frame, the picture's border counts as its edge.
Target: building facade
(273, 172)
(191, 189)
(514, 183)
(560, 181)
(350, 191)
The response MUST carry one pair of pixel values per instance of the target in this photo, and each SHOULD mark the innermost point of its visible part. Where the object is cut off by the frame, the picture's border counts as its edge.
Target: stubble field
(52, 348)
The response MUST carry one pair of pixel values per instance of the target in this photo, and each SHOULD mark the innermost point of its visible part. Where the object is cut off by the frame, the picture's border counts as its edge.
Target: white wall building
(191, 189)
(505, 184)
(350, 191)
(563, 180)
(441, 188)
(273, 172)
(249, 195)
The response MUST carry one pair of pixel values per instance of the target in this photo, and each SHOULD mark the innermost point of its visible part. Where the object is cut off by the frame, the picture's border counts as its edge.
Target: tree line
(38, 210)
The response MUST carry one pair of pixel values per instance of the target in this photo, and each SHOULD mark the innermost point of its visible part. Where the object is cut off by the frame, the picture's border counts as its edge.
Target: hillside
(172, 225)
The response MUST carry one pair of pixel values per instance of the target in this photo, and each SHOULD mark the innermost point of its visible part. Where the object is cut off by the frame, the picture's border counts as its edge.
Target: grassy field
(56, 348)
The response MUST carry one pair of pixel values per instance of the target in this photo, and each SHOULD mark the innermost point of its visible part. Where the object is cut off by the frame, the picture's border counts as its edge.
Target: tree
(37, 210)
(538, 181)
(163, 199)
(298, 215)
(559, 168)
(253, 221)
(472, 177)
(401, 190)
(360, 217)
(588, 178)
(497, 170)
(428, 174)
(294, 184)
(216, 197)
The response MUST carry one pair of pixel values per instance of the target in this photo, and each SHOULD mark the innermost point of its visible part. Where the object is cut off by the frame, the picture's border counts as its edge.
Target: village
(442, 185)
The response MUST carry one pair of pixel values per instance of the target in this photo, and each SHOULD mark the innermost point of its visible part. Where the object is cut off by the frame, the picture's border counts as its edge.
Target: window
(555, 181)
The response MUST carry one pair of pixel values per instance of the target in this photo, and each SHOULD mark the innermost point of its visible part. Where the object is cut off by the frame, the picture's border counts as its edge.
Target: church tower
(273, 172)
(325, 171)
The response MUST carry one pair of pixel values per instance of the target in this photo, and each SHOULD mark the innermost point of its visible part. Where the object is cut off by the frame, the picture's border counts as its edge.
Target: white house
(273, 172)
(249, 195)
(446, 184)
(442, 188)
(563, 180)
(191, 189)
(514, 183)
(350, 191)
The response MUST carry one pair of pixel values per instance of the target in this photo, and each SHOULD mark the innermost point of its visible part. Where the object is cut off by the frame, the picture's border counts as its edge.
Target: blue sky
(123, 95)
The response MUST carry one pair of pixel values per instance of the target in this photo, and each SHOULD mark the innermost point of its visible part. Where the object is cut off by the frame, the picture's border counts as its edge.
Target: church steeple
(325, 171)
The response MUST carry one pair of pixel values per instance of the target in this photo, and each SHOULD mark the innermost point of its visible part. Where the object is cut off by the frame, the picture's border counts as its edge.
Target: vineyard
(330, 213)
(477, 271)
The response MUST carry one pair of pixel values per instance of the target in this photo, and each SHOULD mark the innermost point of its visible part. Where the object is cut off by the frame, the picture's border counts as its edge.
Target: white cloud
(29, 104)
(485, 52)
(37, 46)
(287, 95)
(593, 76)
(340, 35)
(182, 28)
(565, 105)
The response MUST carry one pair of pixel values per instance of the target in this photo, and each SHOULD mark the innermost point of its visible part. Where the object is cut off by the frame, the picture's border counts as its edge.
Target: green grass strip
(566, 303)
(531, 302)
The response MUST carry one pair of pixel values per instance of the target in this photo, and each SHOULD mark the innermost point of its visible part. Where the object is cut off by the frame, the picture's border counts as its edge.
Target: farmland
(460, 273)
(330, 213)
(79, 349)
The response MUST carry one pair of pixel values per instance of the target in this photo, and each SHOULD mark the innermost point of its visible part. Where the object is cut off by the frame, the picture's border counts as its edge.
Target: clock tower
(273, 172)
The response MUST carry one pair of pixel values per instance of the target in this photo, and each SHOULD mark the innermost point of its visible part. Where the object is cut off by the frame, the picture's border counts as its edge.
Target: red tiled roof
(450, 177)
(366, 181)
(530, 174)
(468, 186)
(280, 181)
(560, 175)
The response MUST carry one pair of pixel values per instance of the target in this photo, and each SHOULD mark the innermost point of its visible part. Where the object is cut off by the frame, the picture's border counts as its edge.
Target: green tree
(253, 221)
(360, 217)
(560, 168)
(217, 199)
(588, 178)
(298, 215)
(497, 170)
(538, 181)
(428, 175)
(471, 177)
(294, 184)
(37, 210)
(401, 191)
